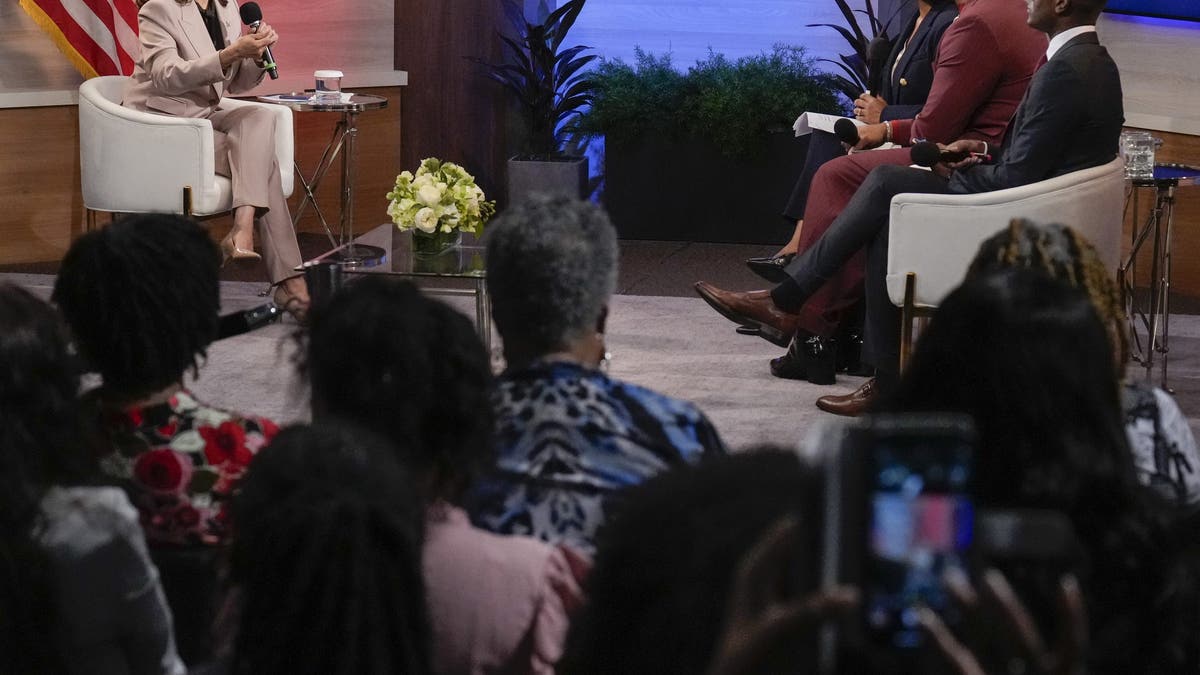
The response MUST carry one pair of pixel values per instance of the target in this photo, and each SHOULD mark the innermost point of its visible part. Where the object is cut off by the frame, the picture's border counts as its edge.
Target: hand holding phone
(899, 514)
(1006, 635)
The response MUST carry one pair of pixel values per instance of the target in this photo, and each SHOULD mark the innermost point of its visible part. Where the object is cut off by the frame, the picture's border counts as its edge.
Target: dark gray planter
(567, 176)
(687, 191)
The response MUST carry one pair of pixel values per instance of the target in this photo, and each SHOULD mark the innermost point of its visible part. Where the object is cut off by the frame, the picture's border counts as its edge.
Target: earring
(605, 361)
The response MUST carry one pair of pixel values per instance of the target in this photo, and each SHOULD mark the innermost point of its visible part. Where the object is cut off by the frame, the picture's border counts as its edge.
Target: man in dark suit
(1070, 119)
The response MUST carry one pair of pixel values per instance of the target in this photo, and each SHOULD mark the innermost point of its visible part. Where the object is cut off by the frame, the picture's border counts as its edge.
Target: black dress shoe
(771, 269)
(849, 357)
(809, 358)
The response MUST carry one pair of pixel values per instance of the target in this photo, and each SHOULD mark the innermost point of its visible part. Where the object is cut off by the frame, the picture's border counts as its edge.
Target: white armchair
(933, 238)
(138, 162)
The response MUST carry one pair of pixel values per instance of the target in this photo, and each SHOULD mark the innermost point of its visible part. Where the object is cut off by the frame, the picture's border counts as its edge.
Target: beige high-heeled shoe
(230, 251)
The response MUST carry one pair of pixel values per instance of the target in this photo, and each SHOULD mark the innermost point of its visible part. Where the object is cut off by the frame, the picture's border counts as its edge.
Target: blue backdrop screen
(1171, 9)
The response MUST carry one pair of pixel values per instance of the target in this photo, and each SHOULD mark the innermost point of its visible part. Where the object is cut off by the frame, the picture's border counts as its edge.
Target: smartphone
(899, 513)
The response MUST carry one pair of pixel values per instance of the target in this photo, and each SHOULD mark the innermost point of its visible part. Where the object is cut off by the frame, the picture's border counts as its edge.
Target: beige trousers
(244, 139)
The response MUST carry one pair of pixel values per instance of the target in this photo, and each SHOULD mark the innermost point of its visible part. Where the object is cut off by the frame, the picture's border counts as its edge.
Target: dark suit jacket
(1070, 119)
(906, 89)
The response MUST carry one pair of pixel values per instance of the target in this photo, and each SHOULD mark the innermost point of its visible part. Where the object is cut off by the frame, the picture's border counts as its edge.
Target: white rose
(406, 204)
(429, 195)
(426, 220)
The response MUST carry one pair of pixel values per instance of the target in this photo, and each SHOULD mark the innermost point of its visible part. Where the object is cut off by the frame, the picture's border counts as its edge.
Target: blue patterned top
(568, 439)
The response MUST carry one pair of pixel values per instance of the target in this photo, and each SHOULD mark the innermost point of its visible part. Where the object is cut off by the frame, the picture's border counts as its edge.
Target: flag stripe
(97, 15)
(72, 40)
(99, 37)
(128, 11)
(127, 37)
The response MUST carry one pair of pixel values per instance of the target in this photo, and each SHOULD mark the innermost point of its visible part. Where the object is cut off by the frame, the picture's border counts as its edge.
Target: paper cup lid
(327, 73)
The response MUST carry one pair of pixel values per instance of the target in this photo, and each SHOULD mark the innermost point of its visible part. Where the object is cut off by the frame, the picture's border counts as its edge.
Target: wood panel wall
(453, 111)
(41, 207)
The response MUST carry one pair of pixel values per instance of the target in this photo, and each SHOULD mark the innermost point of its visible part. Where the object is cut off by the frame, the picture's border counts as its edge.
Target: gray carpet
(675, 345)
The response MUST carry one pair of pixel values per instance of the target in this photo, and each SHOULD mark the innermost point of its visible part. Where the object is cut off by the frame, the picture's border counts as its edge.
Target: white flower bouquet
(440, 198)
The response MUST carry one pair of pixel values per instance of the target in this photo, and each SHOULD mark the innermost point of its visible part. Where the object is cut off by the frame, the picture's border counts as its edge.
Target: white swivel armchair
(137, 162)
(933, 238)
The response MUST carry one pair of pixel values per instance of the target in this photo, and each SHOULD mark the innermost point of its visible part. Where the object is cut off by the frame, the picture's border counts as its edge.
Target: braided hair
(41, 444)
(327, 559)
(1063, 254)
(142, 298)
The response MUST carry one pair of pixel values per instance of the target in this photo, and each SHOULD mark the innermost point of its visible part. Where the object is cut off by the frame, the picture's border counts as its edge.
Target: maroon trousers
(832, 187)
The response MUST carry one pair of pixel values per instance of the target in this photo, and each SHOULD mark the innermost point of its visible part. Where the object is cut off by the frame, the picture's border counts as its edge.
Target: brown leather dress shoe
(849, 405)
(753, 308)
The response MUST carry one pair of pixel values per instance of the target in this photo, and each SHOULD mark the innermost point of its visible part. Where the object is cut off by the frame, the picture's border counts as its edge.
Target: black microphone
(928, 154)
(878, 51)
(846, 131)
(252, 16)
(235, 324)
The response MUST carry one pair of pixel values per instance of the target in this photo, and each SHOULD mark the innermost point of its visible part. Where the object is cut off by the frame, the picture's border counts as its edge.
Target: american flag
(98, 36)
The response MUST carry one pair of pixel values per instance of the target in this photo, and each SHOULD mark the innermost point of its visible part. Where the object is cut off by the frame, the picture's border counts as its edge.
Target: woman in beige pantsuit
(192, 54)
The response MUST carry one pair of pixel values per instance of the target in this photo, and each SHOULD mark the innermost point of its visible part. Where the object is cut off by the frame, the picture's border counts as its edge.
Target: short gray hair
(551, 266)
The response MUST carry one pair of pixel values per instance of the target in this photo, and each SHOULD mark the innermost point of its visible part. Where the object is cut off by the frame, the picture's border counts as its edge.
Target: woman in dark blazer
(907, 77)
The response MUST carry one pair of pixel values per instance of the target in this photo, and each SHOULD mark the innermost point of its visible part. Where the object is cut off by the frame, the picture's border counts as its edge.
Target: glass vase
(429, 244)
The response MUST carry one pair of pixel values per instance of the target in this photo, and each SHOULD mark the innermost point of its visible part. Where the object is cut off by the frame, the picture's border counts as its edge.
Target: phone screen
(920, 524)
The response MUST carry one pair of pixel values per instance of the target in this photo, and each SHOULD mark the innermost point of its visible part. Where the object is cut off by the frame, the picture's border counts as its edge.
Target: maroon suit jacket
(984, 64)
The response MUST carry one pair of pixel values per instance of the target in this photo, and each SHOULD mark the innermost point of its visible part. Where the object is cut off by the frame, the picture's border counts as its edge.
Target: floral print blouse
(179, 462)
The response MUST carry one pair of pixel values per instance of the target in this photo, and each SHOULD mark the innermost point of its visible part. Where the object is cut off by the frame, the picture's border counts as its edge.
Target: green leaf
(203, 480)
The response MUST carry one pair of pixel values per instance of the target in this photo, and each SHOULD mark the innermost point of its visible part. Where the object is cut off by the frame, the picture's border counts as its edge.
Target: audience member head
(326, 559)
(1055, 16)
(552, 267)
(41, 444)
(409, 368)
(142, 298)
(1062, 253)
(1029, 358)
(665, 563)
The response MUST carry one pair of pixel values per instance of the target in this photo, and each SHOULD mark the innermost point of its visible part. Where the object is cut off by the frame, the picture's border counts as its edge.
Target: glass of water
(1137, 147)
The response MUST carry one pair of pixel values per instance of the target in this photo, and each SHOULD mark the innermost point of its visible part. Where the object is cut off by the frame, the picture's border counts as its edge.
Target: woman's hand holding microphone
(249, 46)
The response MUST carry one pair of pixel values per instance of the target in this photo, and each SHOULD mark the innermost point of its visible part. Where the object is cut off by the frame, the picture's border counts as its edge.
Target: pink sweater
(498, 604)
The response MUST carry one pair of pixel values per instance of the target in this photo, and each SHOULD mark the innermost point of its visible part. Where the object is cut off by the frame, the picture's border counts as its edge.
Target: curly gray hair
(551, 266)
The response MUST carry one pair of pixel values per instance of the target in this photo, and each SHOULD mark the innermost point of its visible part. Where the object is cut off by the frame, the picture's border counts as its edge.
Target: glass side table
(1149, 312)
(395, 257)
(343, 141)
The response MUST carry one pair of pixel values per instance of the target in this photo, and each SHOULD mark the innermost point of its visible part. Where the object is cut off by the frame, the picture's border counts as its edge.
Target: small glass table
(345, 134)
(1149, 315)
(396, 257)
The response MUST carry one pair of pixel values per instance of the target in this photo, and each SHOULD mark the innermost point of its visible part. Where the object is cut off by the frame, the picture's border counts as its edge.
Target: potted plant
(437, 204)
(724, 127)
(550, 88)
(853, 81)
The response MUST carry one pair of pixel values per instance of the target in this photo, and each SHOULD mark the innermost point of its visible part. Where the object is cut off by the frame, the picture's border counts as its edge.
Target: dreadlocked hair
(41, 444)
(326, 559)
(142, 299)
(1063, 254)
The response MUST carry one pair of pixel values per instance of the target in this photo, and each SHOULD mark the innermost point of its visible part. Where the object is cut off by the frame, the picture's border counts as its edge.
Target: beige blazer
(178, 71)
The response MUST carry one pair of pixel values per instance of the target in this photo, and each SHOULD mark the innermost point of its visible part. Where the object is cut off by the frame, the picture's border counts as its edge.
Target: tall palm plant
(853, 80)
(546, 79)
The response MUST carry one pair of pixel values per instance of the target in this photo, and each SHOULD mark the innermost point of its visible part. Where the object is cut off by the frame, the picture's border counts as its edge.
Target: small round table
(1151, 318)
(345, 133)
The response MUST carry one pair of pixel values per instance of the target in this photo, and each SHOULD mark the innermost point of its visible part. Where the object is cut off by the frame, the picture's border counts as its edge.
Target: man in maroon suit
(984, 64)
